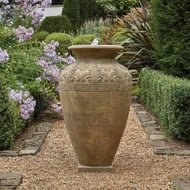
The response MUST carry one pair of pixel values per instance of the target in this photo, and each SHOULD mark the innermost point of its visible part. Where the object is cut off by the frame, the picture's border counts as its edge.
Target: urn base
(82, 168)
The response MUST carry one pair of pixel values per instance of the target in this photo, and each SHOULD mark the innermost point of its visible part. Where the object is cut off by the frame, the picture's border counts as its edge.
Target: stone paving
(149, 123)
(31, 146)
(10, 181)
(160, 146)
(180, 182)
(155, 133)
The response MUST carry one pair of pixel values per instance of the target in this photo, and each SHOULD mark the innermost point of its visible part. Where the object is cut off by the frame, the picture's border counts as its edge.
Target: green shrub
(83, 9)
(11, 123)
(91, 9)
(59, 23)
(105, 8)
(136, 35)
(40, 36)
(71, 9)
(168, 98)
(83, 39)
(7, 38)
(171, 25)
(65, 40)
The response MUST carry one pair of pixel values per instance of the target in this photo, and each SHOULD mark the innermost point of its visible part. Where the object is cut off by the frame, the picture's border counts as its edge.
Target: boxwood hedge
(168, 97)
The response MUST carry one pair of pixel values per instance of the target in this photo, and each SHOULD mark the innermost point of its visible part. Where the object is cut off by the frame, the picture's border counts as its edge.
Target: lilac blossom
(36, 17)
(50, 53)
(57, 107)
(23, 34)
(24, 9)
(46, 3)
(50, 71)
(4, 57)
(4, 1)
(69, 59)
(15, 95)
(26, 102)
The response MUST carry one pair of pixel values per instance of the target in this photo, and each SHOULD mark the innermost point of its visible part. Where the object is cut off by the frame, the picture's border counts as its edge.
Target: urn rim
(119, 47)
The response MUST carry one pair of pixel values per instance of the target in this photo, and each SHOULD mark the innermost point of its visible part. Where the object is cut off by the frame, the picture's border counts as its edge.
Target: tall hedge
(171, 24)
(72, 10)
(83, 8)
(168, 98)
(91, 9)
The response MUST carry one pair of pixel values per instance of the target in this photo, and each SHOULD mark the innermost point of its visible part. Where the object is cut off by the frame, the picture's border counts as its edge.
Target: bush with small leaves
(83, 39)
(40, 36)
(65, 40)
(53, 24)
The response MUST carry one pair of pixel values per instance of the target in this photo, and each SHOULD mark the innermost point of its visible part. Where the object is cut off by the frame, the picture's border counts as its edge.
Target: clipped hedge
(168, 98)
(83, 39)
(59, 23)
(65, 40)
(40, 36)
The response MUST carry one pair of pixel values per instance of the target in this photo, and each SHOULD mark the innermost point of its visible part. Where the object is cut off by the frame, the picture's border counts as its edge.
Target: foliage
(136, 36)
(171, 25)
(53, 24)
(65, 40)
(11, 123)
(96, 27)
(168, 98)
(83, 39)
(23, 13)
(7, 38)
(83, 11)
(107, 35)
(71, 9)
(40, 36)
(91, 9)
(29, 71)
(106, 8)
(57, 2)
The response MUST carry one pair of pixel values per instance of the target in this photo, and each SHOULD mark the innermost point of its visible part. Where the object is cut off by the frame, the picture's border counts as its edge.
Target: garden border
(154, 131)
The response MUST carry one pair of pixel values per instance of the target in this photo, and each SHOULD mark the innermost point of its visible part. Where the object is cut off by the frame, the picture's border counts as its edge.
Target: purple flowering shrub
(11, 122)
(25, 101)
(51, 64)
(4, 57)
(23, 12)
(29, 73)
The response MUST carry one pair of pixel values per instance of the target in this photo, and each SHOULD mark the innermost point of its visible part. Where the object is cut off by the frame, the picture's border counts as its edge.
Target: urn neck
(96, 51)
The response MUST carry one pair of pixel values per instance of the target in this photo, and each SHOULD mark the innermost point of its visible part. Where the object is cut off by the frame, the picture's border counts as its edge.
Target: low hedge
(168, 98)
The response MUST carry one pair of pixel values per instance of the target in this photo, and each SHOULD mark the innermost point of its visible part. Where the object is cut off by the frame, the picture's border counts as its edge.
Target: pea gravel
(136, 167)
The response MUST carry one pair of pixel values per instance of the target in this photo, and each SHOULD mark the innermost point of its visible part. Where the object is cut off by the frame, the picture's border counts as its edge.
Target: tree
(171, 25)
(91, 9)
(72, 11)
(83, 4)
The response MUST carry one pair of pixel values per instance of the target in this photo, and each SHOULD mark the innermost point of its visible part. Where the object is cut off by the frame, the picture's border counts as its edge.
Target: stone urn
(95, 95)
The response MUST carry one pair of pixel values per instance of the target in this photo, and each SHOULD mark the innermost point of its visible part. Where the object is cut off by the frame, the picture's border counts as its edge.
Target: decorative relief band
(95, 77)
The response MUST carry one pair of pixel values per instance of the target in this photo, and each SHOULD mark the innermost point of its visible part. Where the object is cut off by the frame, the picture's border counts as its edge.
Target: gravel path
(135, 165)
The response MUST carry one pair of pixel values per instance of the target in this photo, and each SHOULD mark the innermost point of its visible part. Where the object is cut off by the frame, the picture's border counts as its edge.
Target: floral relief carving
(95, 73)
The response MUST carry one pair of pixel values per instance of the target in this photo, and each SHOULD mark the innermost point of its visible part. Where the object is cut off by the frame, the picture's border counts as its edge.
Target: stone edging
(33, 145)
(180, 182)
(10, 181)
(153, 130)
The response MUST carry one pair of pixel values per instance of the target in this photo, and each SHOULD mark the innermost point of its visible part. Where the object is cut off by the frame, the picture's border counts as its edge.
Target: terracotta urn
(95, 94)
